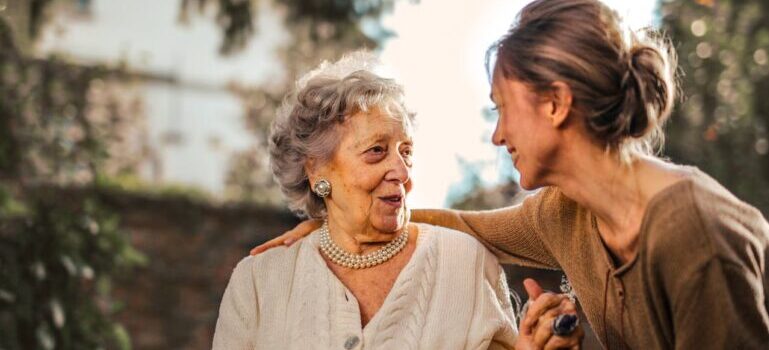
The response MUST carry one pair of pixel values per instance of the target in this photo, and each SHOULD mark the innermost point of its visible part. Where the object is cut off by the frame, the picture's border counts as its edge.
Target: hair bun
(648, 88)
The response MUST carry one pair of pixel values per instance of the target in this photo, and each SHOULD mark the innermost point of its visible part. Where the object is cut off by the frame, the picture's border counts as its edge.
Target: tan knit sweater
(452, 294)
(699, 280)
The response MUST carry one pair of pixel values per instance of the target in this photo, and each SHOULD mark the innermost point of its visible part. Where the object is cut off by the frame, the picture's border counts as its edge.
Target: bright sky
(438, 56)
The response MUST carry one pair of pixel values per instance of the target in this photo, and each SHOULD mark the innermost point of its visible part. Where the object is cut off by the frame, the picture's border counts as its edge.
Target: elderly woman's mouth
(394, 200)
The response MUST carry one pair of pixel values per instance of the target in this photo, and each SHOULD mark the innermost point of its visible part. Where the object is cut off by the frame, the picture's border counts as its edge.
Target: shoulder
(697, 220)
(460, 248)
(721, 211)
(274, 262)
(550, 199)
(447, 238)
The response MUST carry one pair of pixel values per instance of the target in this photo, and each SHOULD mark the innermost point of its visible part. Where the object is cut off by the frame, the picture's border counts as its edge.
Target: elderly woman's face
(370, 172)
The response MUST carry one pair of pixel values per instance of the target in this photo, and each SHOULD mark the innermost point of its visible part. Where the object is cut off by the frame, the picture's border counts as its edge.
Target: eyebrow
(377, 138)
(373, 139)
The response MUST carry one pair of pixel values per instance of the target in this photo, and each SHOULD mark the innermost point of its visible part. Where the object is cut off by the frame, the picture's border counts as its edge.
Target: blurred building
(190, 122)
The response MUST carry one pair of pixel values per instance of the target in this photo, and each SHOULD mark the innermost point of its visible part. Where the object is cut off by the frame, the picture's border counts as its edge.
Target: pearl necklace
(355, 261)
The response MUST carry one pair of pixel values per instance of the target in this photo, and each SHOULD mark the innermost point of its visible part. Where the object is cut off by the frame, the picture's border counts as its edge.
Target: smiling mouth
(513, 153)
(394, 200)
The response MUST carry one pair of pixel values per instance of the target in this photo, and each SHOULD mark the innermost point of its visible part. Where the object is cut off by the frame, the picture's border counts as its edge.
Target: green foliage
(57, 253)
(722, 124)
(332, 20)
(130, 183)
(46, 133)
(57, 260)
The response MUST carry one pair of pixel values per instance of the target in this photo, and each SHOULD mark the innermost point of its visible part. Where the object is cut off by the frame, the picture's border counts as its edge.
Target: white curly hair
(307, 124)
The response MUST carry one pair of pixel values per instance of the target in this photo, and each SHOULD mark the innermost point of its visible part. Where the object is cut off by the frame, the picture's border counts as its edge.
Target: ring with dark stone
(565, 324)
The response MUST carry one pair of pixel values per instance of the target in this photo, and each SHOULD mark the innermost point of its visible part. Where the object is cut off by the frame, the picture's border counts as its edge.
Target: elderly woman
(341, 150)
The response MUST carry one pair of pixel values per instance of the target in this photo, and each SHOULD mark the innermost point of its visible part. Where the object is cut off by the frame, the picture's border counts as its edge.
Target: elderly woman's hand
(303, 229)
(536, 329)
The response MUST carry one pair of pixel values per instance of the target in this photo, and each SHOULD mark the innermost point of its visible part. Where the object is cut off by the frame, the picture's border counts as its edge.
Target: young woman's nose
(497, 138)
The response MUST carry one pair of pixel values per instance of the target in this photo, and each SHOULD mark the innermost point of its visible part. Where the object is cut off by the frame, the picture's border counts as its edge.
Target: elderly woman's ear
(314, 171)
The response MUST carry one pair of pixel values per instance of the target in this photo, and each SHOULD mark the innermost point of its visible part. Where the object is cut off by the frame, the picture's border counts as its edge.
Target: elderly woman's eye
(376, 153)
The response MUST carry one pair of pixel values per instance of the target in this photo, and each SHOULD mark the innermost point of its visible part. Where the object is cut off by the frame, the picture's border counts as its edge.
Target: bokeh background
(133, 171)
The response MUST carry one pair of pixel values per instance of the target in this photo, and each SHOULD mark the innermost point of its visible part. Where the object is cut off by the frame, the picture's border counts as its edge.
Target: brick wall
(192, 247)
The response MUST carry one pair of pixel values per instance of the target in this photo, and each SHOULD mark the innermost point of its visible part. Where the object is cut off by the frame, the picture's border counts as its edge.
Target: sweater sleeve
(237, 312)
(724, 300)
(504, 331)
(514, 234)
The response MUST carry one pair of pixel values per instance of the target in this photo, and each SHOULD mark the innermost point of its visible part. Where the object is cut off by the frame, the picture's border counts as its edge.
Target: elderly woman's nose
(399, 170)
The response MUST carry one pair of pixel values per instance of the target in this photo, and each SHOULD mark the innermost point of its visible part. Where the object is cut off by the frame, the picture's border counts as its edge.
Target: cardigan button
(351, 342)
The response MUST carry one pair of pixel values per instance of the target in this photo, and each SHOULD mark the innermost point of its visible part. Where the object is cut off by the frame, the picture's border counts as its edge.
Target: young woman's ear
(560, 102)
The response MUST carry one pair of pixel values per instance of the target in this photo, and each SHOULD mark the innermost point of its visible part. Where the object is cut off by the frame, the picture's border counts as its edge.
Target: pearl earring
(322, 188)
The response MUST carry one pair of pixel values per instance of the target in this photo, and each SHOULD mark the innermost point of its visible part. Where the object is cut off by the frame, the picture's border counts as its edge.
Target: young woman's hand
(536, 328)
(303, 229)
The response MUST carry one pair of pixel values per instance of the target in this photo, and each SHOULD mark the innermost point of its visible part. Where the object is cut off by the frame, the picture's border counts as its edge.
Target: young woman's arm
(506, 232)
(514, 234)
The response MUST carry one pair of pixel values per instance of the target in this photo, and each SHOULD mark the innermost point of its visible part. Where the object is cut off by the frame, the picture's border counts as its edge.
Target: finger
(532, 288)
(544, 330)
(537, 308)
(300, 231)
(523, 327)
(551, 314)
(304, 228)
(275, 242)
(577, 337)
(571, 341)
(545, 302)
(523, 343)
(559, 342)
(544, 327)
(568, 307)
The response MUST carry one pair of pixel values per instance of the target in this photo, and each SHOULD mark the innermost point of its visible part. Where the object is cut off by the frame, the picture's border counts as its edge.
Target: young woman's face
(370, 172)
(524, 129)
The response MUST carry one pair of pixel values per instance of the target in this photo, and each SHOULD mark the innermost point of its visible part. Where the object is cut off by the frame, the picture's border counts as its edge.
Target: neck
(358, 238)
(613, 191)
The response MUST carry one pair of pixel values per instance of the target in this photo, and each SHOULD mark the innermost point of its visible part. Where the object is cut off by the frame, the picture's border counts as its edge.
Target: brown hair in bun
(623, 83)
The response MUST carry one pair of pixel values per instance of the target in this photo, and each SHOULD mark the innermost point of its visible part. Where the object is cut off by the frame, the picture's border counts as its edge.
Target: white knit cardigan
(452, 294)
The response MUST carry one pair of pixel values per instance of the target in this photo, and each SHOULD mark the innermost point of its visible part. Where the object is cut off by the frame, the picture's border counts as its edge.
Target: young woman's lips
(513, 154)
(395, 201)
